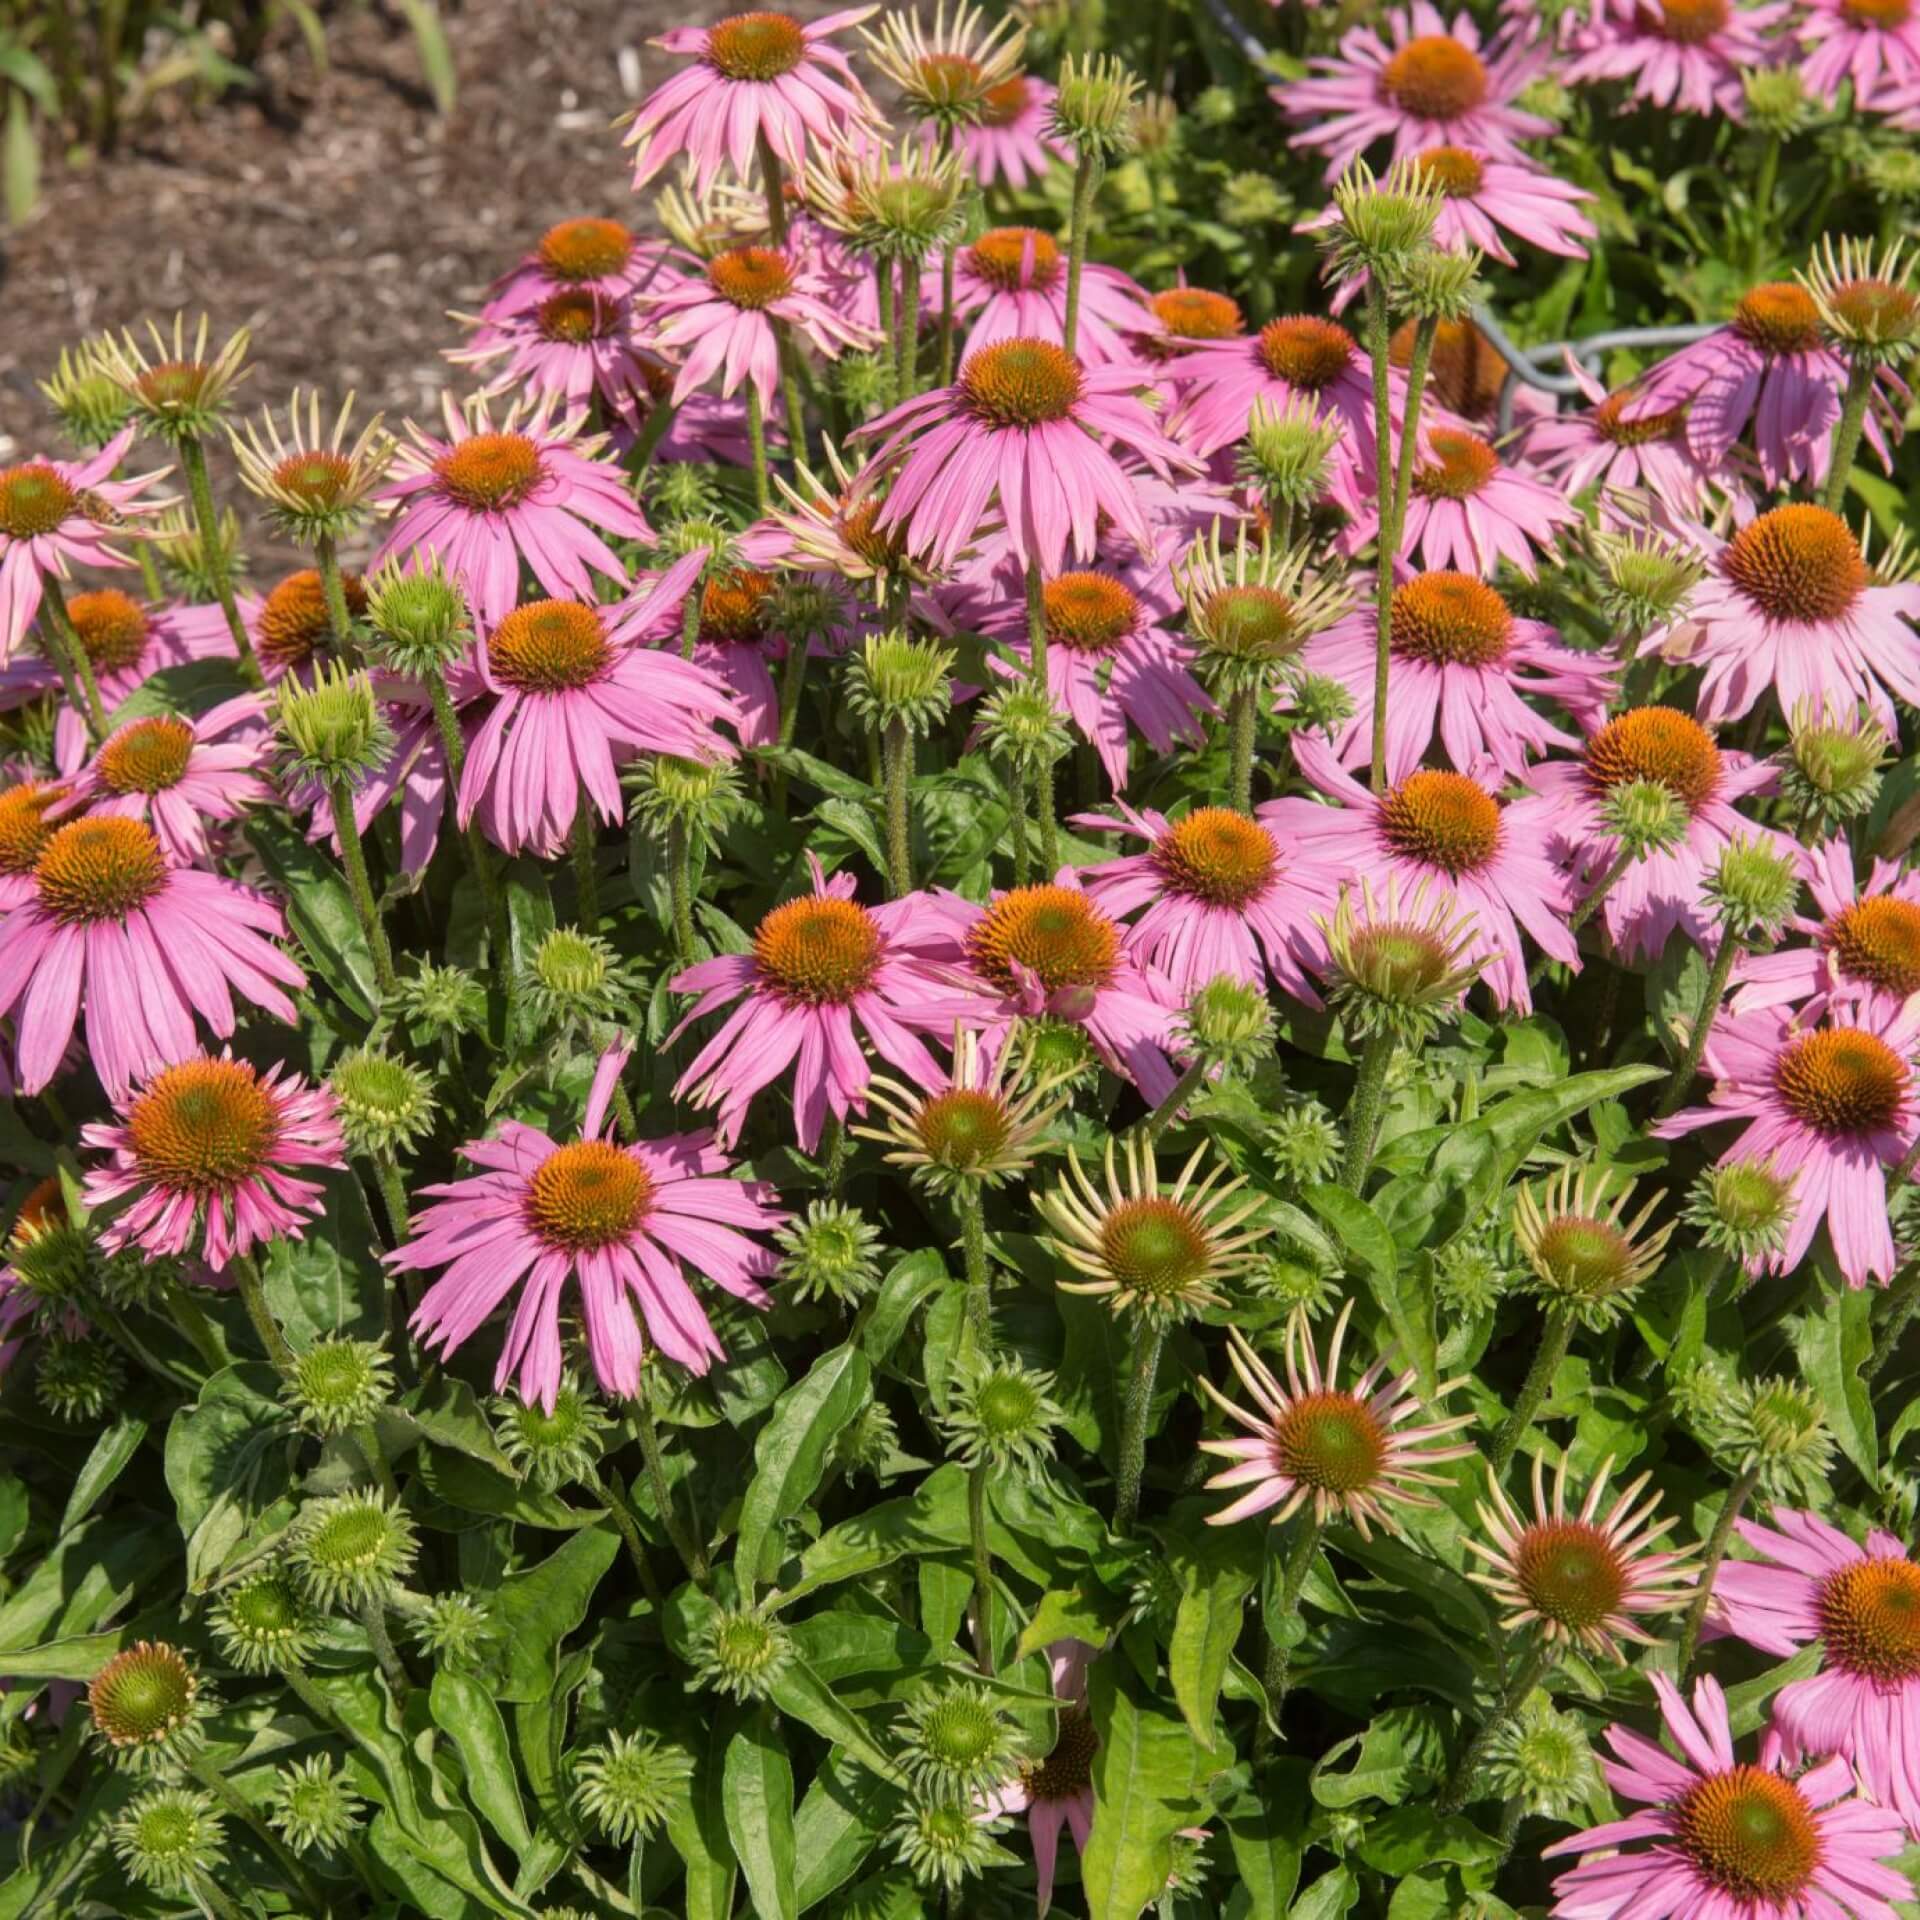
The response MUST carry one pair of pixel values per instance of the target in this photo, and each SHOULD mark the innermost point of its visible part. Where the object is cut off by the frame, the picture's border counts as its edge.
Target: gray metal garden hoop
(1526, 366)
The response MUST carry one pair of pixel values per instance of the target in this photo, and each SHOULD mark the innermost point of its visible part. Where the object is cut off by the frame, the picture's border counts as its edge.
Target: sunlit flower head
(1682, 54)
(586, 255)
(1625, 445)
(1014, 140)
(948, 73)
(315, 483)
(1012, 282)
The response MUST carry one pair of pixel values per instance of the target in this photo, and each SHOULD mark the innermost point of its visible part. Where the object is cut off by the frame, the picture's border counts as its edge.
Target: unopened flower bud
(385, 1104)
(419, 617)
(339, 1383)
(1754, 888)
(314, 1805)
(170, 1839)
(1093, 107)
(332, 731)
(897, 679)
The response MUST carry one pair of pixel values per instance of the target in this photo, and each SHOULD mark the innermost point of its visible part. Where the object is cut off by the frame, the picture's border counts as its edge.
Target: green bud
(1832, 769)
(1288, 450)
(1645, 816)
(945, 1845)
(1435, 285)
(386, 1105)
(555, 1449)
(353, 1550)
(1540, 1757)
(78, 1380)
(170, 1839)
(1023, 728)
(894, 678)
(1093, 107)
(1381, 224)
(1249, 201)
(576, 980)
(1754, 889)
(339, 1383)
(699, 795)
(1216, 107)
(1229, 1023)
(453, 1628)
(958, 1744)
(1776, 100)
(90, 404)
(1743, 1208)
(1001, 1414)
(314, 1805)
(332, 731)
(829, 1253)
(1469, 1277)
(628, 1785)
(193, 565)
(741, 1651)
(1646, 578)
(419, 617)
(264, 1625)
(148, 1708)
(443, 1003)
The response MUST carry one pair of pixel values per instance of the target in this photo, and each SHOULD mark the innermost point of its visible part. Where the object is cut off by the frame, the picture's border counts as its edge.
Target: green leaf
(1074, 1615)
(331, 1282)
(840, 1644)
(319, 910)
(909, 1281)
(1400, 1294)
(1217, 1567)
(537, 1609)
(799, 1691)
(1329, 1898)
(447, 1412)
(111, 1455)
(1747, 1702)
(1267, 1832)
(697, 1827)
(1399, 1756)
(465, 1712)
(838, 1823)
(436, 56)
(1146, 1775)
(1833, 1342)
(227, 1466)
(791, 1454)
(757, 1794)
(20, 161)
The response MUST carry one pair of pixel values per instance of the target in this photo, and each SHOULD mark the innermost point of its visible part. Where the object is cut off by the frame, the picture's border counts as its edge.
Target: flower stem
(1762, 212)
(1846, 434)
(982, 1568)
(453, 750)
(1710, 998)
(1243, 721)
(1086, 183)
(1134, 1414)
(333, 585)
(1453, 1796)
(1164, 1115)
(1717, 1542)
(1555, 1337)
(890, 359)
(690, 611)
(757, 441)
(373, 1617)
(1387, 542)
(253, 1296)
(1037, 669)
(1903, 1302)
(680, 888)
(973, 1244)
(1424, 333)
(353, 858)
(626, 1524)
(586, 863)
(652, 431)
(909, 325)
(1293, 1579)
(692, 1556)
(896, 751)
(75, 662)
(193, 462)
(1017, 825)
(1363, 1110)
(946, 317)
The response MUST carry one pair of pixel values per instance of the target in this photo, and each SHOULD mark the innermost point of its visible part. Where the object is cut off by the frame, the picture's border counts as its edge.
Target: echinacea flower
(1430, 83)
(823, 971)
(207, 1150)
(1791, 604)
(578, 347)
(315, 484)
(1865, 946)
(138, 948)
(1056, 1791)
(1568, 812)
(622, 1222)
(1622, 444)
(179, 774)
(1730, 1840)
(1364, 1454)
(1464, 665)
(1014, 139)
(54, 513)
(1448, 830)
(1770, 369)
(290, 627)
(587, 255)
(25, 830)
(1485, 197)
(1685, 54)
(576, 688)
(761, 76)
(1581, 1577)
(1832, 1106)
(1223, 895)
(1813, 1585)
(1013, 282)
(1027, 426)
(491, 496)
(1872, 45)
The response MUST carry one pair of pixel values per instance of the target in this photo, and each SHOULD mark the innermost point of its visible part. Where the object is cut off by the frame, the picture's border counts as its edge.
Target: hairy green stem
(890, 350)
(353, 858)
(970, 1204)
(1424, 333)
(1017, 784)
(1363, 1110)
(326, 559)
(1387, 543)
(1164, 1115)
(1555, 1338)
(692, 1555)
(896, 753)
(626, 1523)
(653, 430)
(74, 662)
(1037, 669)
(982, 1568)
(373, 1618)
(193, 463)
(453, 750)
(909, 323)
(1709, 1011)
(1086, 183)
(1301, 1548)
(1901, 1304)
(680, 887)
(1534, 1663)
(1846, 433)
(1243, 722)
(253, 1296)
(757, 442)
(586, 863)
(1134, 1414)
(1717, 1543)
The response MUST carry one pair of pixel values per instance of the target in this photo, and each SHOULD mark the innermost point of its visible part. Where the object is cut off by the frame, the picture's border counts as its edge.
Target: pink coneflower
(1791, 604)
(1679, 53)
(179, 774)
(1865, 946)
(619, 1221)
(759, 76)
(42, 1213)
(206, 1150)
(1018, 428)
(582, 256)
(721, 317)
(139, 947)
(1484, 196)
(823, 972)
(1014, 281)
(1566, 815)
(1466, 508)
(578, 688)
(488, 497)
(56, 512)
(25, 829)
(1364, 1454)
(1861, 1607)
(1014, 140)
(1430, 84)
(1769, 369)
(1833, 1104)
(1049, 951)
(1448, 831)
(1222, 895)
(1730, 1840)
(1112, 661)
(126, 644)
(576, 348)
(1058, 1791)
(1622, 443)
(1585, 1579)
(289, 627)
(1462, 662)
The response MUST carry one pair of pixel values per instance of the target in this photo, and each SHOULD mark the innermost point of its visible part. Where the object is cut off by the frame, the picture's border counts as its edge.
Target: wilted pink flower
(1222, 895)
(1860, 1606)
(1058, 1791)
(56, 512)
(1448, 831)
(1621, 444)
(1013, 280)
(1431, 83)
(206, 1150)
(1462, 662)
(762, 75)
(617, 1220)
(824, 971)
(1686, 54)
(1791, 605)
(178, 774)
(1014, 140)
(1834, 1104)
(486, 498)
(1730, 1840)
(139, 947)
(577, 688)
(1363, 1454)
(1027, 426)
